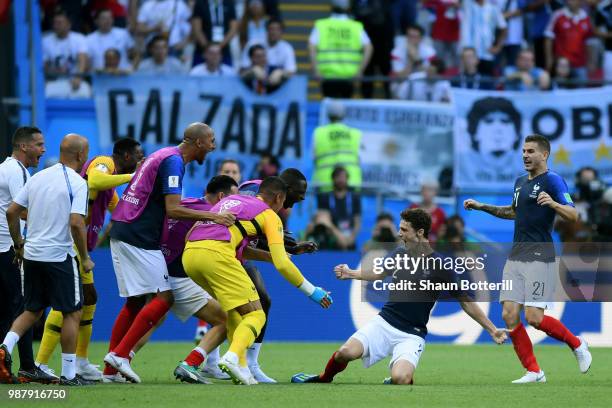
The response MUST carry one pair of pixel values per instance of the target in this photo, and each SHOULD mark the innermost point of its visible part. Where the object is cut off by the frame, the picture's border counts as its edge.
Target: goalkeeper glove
(316, 294)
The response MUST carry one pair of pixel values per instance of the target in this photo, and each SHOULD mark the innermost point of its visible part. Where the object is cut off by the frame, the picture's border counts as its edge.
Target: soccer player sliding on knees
(400, 328)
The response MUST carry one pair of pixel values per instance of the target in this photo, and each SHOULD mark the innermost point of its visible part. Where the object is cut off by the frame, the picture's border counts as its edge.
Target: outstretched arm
(100, 181)
(343, 272)
(273, 230)
(505, 211)
(475, 312)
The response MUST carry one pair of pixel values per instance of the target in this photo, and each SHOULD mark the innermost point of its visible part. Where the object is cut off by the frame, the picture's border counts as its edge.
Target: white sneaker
(260, 376)
(230, 366)
(531, 377)
(249, 375)
(123, 366)
(583, 355)
(49, 371)
(89, 371)
(114, 378)
(214, 372)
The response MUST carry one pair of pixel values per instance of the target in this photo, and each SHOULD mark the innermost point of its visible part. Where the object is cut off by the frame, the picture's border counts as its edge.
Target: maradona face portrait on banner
(493, 126)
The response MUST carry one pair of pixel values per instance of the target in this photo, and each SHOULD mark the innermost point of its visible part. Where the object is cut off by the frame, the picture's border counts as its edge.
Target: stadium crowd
(422, 48)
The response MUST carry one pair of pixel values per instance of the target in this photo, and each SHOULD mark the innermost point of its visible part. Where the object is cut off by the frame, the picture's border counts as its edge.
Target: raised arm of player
(99, 181)
(343, 272)
(176, 211)
(505, 211)
(475, 312)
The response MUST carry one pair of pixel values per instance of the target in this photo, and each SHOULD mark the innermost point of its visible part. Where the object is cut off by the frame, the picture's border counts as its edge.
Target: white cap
(335, 109)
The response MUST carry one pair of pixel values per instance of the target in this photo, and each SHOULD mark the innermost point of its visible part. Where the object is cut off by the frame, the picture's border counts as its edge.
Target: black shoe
(76, 381)
(37, 375)
(6, 362)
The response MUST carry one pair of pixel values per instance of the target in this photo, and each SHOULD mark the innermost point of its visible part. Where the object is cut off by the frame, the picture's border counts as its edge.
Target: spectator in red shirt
(567, 34)
(429, 190)
(445, 30)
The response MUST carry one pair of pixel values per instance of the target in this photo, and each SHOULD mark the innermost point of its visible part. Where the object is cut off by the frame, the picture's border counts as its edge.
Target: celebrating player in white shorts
(137, 231)
(539, 196)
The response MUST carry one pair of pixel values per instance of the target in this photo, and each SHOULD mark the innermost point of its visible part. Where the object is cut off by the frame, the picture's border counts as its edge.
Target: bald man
(56, 203)
(139, 224)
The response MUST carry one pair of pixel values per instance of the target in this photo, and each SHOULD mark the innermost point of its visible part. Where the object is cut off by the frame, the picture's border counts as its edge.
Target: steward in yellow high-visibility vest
(340, 50)
(336, 144)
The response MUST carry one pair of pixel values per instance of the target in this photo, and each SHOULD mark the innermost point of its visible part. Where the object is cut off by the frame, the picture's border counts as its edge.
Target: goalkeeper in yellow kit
(212, 259)
(103, 174)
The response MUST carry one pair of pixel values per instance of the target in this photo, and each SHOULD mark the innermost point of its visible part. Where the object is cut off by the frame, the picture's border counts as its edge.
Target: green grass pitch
(447, 376)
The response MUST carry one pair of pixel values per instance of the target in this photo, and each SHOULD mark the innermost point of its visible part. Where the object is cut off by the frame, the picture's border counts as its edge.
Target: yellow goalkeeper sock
(233, 320)
(51, 336)
(242, 358)
(246, 333)
(85, 329)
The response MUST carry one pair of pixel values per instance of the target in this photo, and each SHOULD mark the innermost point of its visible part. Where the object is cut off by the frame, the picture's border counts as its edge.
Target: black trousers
(380, 64)
(264, 296)
(11, 306)
(336, 88)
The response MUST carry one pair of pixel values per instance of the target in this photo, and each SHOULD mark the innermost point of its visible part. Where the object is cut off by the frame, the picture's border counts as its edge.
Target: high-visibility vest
(339, 51)
(336, 145)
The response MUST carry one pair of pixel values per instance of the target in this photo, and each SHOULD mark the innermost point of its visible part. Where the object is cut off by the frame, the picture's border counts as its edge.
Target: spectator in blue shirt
(524, 75)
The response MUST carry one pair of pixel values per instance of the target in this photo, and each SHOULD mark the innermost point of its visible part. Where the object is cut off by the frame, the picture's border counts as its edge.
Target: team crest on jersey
(535, 191)
(229, 204)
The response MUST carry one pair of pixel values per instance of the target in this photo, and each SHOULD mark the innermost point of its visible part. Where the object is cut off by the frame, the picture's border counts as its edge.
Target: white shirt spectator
(62, 89)
(281, 55)
(50, 196)
(256, 33)
(418, 88)
(515, 24)
(63, 53)
(202, 70)
(478, 25)
(314, 34)
(173, 13)
(399, 55)
(170, 66)
(13, 176)
(117, 38)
